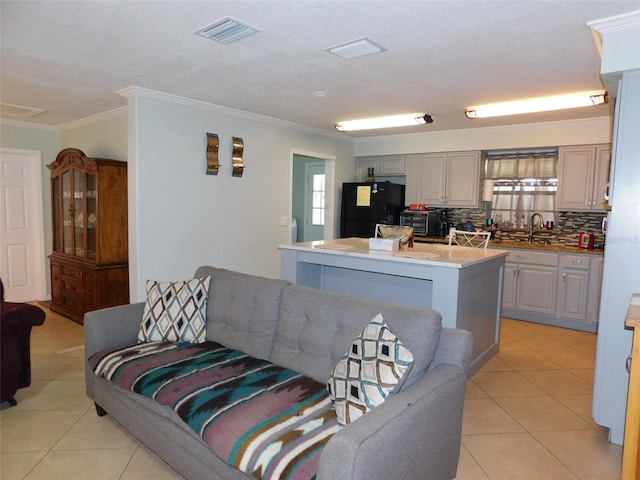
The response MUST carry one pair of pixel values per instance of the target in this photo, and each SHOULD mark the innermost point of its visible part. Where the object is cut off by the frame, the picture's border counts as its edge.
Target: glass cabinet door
(92, 213)
(57, 232)
(67, 214)
(79, 216)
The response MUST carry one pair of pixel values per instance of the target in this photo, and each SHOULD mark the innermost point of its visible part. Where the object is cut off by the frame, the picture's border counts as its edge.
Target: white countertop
(422, 253)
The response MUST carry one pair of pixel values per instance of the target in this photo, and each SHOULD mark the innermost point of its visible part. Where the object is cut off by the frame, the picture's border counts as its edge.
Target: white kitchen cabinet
(383, 166)
(573, 287)
(449, 179)
(583, 173)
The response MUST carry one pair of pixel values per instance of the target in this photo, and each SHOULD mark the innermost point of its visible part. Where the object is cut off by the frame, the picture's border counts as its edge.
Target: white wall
(181, 218)
(101, 136)
(577, 132)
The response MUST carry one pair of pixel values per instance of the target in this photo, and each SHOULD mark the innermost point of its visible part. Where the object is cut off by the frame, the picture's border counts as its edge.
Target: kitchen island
(463, 284)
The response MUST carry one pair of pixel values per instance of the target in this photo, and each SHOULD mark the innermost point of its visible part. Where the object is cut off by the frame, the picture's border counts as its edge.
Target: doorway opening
(312, 195)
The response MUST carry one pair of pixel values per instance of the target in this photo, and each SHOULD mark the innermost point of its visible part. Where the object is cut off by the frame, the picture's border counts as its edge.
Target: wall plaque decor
(238, 166)
(213, 164)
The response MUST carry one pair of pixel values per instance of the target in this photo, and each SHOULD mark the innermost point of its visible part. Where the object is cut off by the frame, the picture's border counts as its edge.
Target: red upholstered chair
(16, 320)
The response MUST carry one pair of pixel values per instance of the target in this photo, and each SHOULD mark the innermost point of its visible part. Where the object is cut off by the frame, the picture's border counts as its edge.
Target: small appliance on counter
(425, 223)
(586, 240)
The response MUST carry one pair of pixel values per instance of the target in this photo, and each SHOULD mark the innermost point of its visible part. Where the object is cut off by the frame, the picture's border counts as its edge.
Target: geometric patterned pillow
(175, 311)
(373, 368)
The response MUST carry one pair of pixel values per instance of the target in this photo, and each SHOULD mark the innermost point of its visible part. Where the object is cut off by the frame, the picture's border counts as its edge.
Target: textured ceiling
(69, 58)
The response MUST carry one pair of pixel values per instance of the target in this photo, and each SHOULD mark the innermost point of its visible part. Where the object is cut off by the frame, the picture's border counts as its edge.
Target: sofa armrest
(454, 348)
(112, 327)
(413, 434)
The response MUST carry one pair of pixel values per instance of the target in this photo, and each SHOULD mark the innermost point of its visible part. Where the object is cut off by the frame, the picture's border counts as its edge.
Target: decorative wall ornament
(238, 166)
(213, 165)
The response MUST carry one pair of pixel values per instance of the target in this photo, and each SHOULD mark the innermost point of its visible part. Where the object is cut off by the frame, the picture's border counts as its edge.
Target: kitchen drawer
(549, 259)
(575, 261)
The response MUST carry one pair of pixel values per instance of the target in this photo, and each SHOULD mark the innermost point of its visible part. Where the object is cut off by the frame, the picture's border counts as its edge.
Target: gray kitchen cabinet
(583, 173)
(449, 179)
(530, 282)
(411, 171)
(573, 286)
(595, 287)
(552, 288)
(383, 166)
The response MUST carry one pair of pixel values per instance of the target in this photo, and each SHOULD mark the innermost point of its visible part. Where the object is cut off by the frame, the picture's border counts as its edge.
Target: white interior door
(315, 202)
(22, 259)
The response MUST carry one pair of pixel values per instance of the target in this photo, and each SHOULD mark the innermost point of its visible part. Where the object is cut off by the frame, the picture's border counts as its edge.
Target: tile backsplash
(565, 232)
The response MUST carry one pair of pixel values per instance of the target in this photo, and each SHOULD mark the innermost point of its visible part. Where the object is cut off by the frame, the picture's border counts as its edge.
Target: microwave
(424, 223)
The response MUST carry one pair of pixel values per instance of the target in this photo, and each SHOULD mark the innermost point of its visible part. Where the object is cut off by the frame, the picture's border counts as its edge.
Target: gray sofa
(413, 435)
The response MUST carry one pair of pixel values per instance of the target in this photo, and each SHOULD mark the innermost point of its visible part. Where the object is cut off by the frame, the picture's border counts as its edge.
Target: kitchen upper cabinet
(583, 173)
(383, 166)
(448, 179)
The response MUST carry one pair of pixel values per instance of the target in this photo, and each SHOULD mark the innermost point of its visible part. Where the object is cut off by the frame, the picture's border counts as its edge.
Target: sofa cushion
(375, 365)
(260, 418)
(242, 313)
(175, 311)
(316, 328)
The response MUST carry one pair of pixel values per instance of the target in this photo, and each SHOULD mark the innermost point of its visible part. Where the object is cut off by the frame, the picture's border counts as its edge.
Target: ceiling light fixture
(541, 104)
(384, 122)
(356, 48)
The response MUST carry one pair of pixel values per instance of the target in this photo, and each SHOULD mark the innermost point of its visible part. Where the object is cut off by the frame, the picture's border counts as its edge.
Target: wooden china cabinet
(89, 263)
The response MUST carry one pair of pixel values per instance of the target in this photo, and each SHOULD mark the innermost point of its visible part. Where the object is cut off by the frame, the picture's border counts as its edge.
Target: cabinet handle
(606, 192)
(628, 364)
(564, 277)
(577, 262)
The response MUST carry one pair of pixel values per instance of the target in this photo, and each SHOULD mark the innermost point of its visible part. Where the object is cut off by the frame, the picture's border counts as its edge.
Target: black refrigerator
(365, 204)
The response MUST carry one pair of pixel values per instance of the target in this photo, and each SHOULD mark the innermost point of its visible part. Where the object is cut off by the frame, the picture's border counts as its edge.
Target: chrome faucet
(540, 225)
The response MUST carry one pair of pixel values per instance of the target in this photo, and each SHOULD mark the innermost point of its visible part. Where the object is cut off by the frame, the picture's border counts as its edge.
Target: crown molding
(116, 112)
(37, 126)
(133, 91)
(599, 28)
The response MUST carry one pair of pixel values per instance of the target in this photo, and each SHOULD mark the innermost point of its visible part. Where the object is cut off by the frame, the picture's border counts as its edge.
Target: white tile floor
(527, 415)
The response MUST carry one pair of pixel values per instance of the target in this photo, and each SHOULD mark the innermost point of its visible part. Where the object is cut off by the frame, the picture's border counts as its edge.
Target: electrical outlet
(284, 221)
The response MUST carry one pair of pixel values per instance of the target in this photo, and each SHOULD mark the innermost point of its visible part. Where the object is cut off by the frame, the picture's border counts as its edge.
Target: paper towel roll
(487, 191)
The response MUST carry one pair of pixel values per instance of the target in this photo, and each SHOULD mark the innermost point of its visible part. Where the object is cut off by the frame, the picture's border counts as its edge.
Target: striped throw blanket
(269, 422)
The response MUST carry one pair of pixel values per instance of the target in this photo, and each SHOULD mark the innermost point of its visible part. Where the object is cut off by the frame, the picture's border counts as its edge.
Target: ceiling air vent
(18, 111)
(227, 30)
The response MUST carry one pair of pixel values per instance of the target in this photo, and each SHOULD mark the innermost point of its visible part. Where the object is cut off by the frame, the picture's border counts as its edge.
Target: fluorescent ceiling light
(384, 122)
(541, 104)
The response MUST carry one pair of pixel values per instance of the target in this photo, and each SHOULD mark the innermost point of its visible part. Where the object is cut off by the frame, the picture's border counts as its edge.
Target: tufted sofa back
(305, 329)
(242, 310)
(315, 330)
